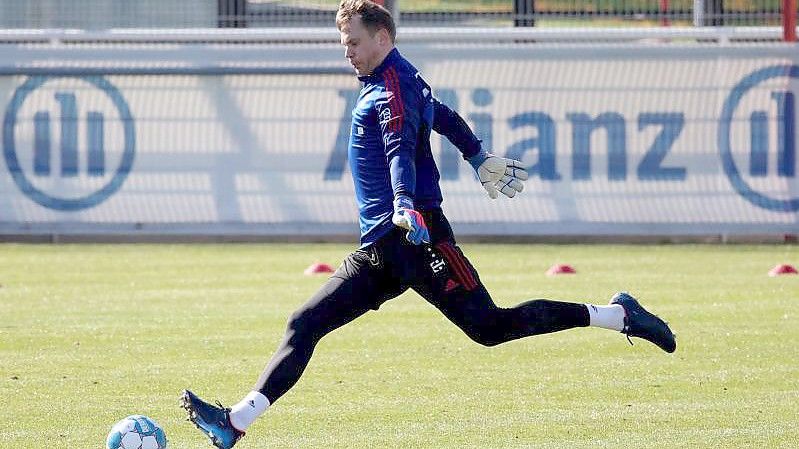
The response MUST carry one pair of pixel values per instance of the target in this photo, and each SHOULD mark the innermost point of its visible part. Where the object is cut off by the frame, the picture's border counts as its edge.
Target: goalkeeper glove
(498, 174)
(406, 217)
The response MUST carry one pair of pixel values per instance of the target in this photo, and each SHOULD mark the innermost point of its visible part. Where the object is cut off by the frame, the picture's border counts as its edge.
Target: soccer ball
(136, 432)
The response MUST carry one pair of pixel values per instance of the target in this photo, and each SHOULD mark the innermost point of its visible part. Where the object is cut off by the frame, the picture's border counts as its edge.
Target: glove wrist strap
(477, 160)
(402, 202)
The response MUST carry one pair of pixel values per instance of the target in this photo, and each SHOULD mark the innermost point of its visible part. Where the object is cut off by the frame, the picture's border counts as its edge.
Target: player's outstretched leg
(638, 322)
(359, 285)
(212, 420)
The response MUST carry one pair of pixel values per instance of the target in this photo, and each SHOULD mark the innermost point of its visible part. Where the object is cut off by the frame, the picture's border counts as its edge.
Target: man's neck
(382, 59)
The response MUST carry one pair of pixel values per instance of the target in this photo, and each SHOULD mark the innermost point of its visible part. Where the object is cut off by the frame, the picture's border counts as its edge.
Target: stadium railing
(102, 14)
(444, 35)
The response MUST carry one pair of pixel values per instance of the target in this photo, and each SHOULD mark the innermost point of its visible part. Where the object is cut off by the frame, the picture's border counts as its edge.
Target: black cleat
(642, 324)
(212, 420)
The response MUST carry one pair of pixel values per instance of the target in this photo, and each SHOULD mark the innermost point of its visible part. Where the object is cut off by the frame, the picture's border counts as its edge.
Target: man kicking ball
(406, 241)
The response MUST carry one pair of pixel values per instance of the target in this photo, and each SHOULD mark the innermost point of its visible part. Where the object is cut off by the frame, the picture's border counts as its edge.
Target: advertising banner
(627, 139)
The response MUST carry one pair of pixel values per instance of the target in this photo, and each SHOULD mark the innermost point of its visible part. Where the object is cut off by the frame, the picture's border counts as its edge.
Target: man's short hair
(372, 15)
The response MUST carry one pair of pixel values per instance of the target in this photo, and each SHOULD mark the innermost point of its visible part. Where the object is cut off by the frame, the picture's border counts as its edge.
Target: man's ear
(382, 36)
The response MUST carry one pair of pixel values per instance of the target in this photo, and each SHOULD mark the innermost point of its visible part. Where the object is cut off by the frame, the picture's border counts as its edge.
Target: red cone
(318, 268)
(782, 269)
(557, 269)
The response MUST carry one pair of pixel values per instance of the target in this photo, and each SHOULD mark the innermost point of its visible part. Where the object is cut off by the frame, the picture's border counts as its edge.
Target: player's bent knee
(485, 326)
(301, 326)
(484, 335)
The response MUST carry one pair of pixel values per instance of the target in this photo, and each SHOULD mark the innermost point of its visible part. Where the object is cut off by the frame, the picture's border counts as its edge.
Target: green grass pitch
(92, 333)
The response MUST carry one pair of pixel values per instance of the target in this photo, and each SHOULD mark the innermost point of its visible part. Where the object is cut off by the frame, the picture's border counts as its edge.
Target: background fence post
(232, 13)
(523, 11)
(713, 12)
(789, 20)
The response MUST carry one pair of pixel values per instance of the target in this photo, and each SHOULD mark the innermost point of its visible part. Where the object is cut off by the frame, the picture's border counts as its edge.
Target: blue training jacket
(389, 149)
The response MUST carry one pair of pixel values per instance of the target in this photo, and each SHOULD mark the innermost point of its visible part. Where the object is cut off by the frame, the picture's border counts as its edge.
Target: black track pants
(439, 272)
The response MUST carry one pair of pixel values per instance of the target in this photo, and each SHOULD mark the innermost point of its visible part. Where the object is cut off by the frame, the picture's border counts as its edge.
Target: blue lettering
(94, 134)
(724, 136)
(650, 167)
(786, 136)
(338, 156)
(758, 156)
(69, 134)
(582, 127)
(41, 143)
(483, 122)
(449, 162)
(545, 143)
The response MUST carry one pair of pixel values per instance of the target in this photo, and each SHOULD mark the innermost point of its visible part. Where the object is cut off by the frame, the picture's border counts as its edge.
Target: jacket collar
(391, 58)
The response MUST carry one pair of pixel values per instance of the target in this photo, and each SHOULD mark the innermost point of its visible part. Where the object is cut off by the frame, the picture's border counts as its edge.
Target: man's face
(361, 49)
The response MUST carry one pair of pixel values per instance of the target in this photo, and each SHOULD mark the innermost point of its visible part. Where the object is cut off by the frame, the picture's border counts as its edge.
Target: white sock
(606, 317)
(247, 410)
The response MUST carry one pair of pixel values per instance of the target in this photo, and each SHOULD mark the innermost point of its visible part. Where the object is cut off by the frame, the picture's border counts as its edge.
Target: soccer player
(406, 241)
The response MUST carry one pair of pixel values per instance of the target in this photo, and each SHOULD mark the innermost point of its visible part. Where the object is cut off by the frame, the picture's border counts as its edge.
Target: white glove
(499, 174)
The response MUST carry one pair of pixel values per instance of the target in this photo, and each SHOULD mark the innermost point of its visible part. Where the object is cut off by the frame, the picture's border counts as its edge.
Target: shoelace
(626, 332)
(629, 340)
(225, 411)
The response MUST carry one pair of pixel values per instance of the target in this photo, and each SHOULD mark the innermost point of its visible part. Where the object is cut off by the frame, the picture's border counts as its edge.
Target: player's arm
(451, 125)
(399, 118)
(495, 173)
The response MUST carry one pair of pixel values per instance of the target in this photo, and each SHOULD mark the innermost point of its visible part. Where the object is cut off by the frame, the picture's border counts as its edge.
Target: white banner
(647, 139)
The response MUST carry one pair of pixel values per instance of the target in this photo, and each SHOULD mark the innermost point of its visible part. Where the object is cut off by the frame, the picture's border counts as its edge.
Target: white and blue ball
(136, 432)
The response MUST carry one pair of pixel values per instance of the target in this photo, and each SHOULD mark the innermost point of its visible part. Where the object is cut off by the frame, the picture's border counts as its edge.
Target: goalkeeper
(406, 241)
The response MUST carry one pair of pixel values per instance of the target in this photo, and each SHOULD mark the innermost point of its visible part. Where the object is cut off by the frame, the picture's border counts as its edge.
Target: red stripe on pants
(461, 268)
